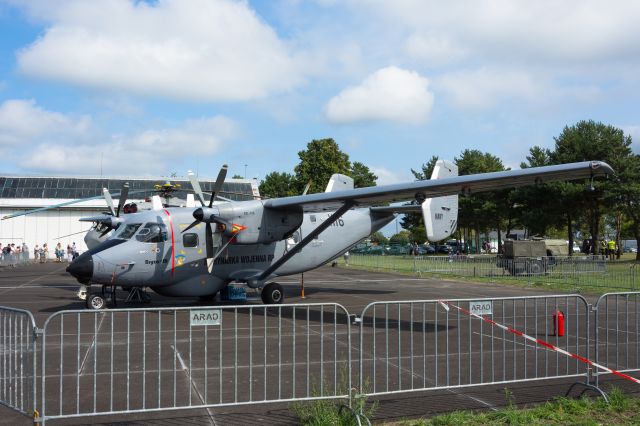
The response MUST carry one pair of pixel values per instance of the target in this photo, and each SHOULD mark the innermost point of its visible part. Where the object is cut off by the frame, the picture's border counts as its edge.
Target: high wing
(468, 184)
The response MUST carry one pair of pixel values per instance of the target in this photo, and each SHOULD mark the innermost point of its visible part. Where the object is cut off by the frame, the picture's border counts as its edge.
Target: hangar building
(21, 193)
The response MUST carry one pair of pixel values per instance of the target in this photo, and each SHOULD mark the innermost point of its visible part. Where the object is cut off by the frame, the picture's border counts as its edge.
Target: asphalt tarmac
(465, 351)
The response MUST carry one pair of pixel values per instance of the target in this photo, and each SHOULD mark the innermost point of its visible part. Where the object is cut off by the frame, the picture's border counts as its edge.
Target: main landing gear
(272, 294)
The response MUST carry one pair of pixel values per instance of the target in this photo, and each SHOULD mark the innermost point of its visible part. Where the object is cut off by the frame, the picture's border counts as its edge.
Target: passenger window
(312, 218)
(190, 240)
(152, 233)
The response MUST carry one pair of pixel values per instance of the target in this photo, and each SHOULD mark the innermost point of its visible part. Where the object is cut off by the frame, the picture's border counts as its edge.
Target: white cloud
(54, 142)
(188, 50)
(433, 49)
(22, 122)
(388, 177)
(544, 30)
(389, 94)
(484, 88)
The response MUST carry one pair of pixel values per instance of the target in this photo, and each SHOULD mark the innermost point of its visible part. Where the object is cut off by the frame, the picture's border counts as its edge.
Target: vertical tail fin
(441, 213)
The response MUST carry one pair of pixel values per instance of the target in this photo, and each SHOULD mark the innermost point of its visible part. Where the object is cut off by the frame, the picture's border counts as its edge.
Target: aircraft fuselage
(174, 263)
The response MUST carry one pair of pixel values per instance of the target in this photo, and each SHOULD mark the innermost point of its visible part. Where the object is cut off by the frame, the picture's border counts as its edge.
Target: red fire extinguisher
(558, 323)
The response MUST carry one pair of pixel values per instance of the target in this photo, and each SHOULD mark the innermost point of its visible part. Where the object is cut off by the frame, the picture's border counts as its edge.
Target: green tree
(278, 185)
(485, 211)
(586, 141)
(378, 238)
(403, 237)
(362, 176)
(318, 162)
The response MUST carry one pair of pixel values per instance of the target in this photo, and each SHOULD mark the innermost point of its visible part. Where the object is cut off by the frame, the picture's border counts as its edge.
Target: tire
(96, 302)
(272, 294)
(536, 267)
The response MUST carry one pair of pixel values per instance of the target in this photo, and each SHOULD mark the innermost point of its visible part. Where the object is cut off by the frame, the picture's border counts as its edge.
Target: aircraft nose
(82, 268)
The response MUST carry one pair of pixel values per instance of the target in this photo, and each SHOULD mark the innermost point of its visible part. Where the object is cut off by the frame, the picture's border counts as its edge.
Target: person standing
(44, 253)
(611, 246)
(59, 252)
(25, 253)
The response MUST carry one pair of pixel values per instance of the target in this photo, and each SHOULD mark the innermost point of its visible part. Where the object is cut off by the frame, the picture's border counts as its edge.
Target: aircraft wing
(468, 184)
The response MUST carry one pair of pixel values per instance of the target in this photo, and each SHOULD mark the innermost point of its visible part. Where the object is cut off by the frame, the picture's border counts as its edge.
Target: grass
(331, 412)
(588, 277)
(622, 410)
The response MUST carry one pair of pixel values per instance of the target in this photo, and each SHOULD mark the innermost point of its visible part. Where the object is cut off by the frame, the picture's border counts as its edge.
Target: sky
(154, 88)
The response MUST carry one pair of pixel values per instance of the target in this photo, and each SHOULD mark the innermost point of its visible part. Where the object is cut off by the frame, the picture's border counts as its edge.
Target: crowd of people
(13, 254)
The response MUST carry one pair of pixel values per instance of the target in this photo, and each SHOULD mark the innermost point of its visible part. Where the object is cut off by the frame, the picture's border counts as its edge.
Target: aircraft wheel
(96, 302)
(272, 294)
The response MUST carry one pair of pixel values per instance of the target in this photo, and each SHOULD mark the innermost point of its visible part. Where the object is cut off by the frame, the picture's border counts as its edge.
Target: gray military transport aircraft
(197, 251)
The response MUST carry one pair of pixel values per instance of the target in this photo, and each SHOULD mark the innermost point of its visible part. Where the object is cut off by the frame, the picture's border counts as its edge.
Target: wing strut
(306, 240)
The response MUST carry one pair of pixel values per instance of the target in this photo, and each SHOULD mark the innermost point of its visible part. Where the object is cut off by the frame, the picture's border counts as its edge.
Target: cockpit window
(152, 233)
(125, 232)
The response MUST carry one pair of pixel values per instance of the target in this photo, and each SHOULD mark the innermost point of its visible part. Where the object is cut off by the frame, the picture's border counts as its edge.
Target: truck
(531, 257)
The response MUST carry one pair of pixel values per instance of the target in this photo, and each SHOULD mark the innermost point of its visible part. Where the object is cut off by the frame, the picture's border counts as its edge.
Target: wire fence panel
(617, 326)
(17, 360)
(560, 271)
(122, 361)
(419, 345)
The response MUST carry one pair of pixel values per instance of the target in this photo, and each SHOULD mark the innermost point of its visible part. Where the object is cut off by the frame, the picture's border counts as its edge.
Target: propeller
(207, 213)
(112, 219)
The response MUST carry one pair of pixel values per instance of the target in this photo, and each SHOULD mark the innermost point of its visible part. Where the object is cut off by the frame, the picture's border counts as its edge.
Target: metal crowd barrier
(145, 360)
(569, 272)
(617, 332)
(18, 360)
(420, 345)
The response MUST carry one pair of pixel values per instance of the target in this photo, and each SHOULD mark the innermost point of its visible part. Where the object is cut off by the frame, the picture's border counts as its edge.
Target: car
(376, 250)
(443, 249)
(399, 250)
(424, 250)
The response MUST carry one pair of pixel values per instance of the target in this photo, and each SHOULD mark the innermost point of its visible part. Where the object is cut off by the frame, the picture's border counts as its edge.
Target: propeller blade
(218, 185)
(209, 240)
(123, 197)
(109, 200)
(196, 187)
(191, 225)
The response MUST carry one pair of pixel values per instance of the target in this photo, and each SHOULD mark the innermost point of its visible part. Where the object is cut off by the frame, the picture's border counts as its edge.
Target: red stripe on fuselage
(173, 243)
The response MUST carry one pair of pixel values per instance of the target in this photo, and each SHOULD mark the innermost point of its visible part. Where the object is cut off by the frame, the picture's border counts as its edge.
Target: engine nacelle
(250, 222)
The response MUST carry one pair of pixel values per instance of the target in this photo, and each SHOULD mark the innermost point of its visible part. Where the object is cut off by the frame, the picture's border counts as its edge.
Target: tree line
(561, 209)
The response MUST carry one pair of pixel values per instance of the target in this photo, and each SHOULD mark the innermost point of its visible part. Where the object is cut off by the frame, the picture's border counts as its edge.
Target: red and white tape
(540, 342)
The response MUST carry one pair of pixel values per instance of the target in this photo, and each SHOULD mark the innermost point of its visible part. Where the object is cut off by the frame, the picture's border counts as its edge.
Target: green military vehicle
(531, 257)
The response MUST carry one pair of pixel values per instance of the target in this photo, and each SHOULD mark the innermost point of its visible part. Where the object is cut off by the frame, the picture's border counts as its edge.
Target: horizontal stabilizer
(339, 182)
